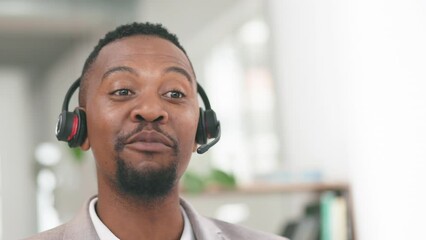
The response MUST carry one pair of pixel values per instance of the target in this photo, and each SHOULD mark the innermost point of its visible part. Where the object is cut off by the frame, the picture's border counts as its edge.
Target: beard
(149, 184)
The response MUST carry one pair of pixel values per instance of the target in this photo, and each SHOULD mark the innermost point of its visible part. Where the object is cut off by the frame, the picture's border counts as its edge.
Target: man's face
(142, 109)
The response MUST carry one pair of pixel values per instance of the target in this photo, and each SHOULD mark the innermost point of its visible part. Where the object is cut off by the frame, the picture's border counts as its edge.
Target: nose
(150, 109)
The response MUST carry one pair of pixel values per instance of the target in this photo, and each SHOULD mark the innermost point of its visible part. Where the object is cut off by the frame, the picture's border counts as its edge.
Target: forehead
(139, 48)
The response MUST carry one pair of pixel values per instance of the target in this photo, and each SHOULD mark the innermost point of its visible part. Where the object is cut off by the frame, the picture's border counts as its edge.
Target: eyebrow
(132, 71)
(118, 69)
(180, 71)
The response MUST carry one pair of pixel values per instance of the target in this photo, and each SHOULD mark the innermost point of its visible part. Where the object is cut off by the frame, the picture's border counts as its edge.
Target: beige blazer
(81, 227)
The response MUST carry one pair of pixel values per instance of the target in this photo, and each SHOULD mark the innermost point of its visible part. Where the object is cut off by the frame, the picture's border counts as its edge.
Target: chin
(147, 179)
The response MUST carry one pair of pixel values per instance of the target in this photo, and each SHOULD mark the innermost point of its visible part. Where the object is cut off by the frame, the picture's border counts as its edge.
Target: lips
(149, 141)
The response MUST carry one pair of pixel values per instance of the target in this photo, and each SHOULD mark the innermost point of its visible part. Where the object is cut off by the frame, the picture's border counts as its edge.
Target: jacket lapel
(204, 228)
(81, 226)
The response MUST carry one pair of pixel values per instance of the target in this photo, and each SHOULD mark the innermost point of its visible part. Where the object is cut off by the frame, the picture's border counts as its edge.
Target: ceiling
(34, 34)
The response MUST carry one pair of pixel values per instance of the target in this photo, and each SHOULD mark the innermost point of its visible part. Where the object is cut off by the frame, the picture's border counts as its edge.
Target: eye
(175, 94)
(122, 92)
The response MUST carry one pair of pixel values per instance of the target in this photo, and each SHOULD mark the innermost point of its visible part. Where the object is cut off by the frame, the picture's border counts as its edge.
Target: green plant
(215, 180)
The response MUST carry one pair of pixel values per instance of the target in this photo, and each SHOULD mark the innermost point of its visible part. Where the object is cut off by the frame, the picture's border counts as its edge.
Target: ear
(86, 144)
(194, 148)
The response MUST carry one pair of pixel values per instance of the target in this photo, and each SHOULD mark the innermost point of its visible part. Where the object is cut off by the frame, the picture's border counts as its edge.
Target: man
(138, 99)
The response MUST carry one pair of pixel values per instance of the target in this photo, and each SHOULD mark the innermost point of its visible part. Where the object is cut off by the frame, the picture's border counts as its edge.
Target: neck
(131, 217)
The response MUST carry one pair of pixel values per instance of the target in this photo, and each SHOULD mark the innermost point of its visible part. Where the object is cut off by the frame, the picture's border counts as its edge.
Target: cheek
(102, 126)
(186, 127)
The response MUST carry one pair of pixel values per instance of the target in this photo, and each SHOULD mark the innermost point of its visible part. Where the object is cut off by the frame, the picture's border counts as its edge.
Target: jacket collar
(81, 226)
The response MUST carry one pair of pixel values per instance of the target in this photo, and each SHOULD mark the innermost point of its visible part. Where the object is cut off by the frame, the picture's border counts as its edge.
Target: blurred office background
(316, 99)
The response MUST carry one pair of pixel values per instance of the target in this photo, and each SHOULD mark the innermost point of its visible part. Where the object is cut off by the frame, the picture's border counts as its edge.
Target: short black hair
(127, 30)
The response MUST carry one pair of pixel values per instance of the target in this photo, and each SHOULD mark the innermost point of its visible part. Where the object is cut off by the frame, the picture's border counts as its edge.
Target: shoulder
(213, 229)
(80, 227)
(54, 233)
(234, 231)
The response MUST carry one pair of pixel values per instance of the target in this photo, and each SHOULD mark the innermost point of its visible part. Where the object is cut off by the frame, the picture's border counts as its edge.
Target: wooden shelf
(268, 187)
(292, 187)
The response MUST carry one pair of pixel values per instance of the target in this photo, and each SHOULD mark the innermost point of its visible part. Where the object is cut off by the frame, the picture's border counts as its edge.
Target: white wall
(17, 193)
(352, 77)
(307, 41)
(76, 181)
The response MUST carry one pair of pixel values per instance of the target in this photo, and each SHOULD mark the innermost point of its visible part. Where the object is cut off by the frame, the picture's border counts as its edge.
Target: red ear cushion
(74, 128)
(79, 131)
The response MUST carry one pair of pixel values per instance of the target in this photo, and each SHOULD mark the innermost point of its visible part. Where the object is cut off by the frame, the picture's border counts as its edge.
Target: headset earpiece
(211, 123)
(71, 126)
(208, 125)
(201, 135)
(64, 126)
(81, 128)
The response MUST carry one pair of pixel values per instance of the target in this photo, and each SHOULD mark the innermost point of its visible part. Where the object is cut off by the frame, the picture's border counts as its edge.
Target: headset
(72, 128)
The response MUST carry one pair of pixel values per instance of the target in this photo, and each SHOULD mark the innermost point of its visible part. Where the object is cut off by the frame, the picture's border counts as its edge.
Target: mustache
(121, 139)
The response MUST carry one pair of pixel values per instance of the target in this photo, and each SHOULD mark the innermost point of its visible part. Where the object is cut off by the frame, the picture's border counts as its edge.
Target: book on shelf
(334, 216)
